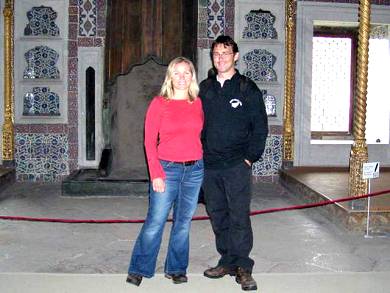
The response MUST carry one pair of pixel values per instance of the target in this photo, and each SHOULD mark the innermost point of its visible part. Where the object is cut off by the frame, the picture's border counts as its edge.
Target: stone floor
(300, 241)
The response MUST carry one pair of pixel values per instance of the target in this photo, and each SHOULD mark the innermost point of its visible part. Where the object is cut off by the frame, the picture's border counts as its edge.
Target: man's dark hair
(227, 41)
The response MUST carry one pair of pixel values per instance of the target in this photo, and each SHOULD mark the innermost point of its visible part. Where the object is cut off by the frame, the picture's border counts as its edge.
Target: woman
(173, 124)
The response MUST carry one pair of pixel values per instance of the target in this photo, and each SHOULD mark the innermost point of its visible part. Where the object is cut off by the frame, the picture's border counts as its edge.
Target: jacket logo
(235, 103)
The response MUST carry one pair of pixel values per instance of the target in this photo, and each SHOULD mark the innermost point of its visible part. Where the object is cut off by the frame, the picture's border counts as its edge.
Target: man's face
(224, 58)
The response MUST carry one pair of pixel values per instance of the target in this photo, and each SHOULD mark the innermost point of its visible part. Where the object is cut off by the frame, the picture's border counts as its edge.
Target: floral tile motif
(41, 22)
(270, 103)
(216, 18)
(379, 31)
(41, 157)
(259, 65)
(271, 160)
(260, 25)
(41, 102)
(87, 18)
(41, 63)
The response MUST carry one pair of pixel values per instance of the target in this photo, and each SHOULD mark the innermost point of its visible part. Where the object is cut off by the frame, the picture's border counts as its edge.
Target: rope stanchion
(197, 218)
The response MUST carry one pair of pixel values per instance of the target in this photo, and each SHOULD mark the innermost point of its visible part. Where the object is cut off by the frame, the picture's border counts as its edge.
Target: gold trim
(289, 82)
(359, 152)
(8, 127)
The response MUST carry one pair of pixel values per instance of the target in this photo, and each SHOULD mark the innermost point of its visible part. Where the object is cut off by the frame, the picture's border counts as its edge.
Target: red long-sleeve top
(172, 132)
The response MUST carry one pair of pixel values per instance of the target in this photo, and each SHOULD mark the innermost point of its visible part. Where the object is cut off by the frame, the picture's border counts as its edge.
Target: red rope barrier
(198, 218)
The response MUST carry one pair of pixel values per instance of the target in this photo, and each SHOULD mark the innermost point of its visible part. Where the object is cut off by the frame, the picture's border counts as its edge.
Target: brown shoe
(134, 279)
(218, 272)
(177, 278)
(244, 278)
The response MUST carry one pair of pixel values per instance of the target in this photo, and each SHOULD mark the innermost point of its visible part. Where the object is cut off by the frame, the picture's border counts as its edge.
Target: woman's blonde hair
(167, 89)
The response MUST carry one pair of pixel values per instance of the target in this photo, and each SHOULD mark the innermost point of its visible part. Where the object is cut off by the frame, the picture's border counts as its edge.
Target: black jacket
(235, 126)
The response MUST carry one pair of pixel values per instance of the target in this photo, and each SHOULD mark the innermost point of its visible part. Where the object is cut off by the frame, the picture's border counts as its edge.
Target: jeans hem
(176, 272)
(141, 274)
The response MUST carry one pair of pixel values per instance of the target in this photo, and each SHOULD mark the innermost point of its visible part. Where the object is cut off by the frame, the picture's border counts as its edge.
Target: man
(234, 134)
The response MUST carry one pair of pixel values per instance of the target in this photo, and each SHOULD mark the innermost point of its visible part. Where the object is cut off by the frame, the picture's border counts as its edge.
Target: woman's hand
(158, 185)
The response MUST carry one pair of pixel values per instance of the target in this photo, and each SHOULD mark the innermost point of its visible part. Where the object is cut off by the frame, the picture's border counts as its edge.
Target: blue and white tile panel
(41, 63)
(41, 157)
(271, 160)
(42, 22)
(259, 65)
(41, 101)
(260, 25)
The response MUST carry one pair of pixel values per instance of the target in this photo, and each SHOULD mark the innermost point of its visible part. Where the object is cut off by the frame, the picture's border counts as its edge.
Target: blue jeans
(182, 185)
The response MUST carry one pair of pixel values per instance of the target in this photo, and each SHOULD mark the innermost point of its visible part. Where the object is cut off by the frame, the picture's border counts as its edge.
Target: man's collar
(234, 76)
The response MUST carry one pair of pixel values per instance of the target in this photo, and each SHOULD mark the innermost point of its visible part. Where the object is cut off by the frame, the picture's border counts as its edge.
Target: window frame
(352, 34)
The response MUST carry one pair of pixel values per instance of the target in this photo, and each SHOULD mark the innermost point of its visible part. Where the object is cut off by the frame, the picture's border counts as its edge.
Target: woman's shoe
(134, 279)
(177, 278)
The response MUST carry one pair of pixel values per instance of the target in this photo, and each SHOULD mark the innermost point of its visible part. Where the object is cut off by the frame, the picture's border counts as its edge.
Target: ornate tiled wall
(41, 157)
(215, 17)
(45, 149)
(51, 112)
(271, 161)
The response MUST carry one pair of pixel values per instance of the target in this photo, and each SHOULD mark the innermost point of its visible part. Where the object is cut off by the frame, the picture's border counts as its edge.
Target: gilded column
(8, 127)
(289, 83)
(359, 152)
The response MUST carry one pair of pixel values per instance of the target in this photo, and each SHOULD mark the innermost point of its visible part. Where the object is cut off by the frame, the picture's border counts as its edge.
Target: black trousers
(227, 194)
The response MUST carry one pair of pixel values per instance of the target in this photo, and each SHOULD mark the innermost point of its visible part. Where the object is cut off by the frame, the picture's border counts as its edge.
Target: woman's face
(181, 76)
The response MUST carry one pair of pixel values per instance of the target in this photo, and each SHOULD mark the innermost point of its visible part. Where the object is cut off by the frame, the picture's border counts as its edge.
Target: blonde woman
(173, 124)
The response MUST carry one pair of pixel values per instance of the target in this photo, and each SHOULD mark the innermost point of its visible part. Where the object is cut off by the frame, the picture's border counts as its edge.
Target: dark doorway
(143, 36)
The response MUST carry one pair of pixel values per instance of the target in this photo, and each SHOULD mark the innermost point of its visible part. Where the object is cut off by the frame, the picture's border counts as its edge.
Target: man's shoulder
(206, 82)
(204, 86)
(247, 84)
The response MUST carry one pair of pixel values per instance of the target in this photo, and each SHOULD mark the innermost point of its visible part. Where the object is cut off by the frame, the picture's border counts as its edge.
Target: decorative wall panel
(41, 63)
(41, 102)
(260, 25)
(260, 33)
(216, 18)
(271, 161)
(87, 18)
(41, 157)
(259, 65)
(41, 22)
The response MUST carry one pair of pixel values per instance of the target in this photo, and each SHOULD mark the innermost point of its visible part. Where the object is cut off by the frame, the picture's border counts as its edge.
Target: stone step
(335, 282)
(88, 182)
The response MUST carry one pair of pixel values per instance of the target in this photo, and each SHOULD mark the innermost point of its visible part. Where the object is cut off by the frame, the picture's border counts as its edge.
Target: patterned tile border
(215, 17)
(87, 18)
